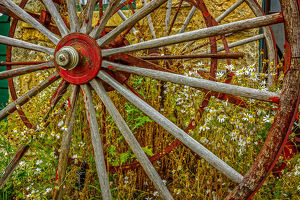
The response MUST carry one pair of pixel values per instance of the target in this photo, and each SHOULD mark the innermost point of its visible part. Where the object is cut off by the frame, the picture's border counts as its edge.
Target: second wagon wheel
(89, 58)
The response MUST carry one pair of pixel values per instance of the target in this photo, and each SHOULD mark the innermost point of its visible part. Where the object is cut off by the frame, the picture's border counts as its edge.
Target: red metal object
(59, 1)
(140, 62)
(275, 99)
(45, 17)
(175, 16)
(100, 10)
(125, 3)
(288, 152)
(90, 58)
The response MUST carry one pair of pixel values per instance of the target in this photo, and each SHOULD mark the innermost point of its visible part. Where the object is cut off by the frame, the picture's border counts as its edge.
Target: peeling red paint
(276, 108)
(52, 78)
(206, 14)
(280, 19)
(274, 99)
(289, 151)
(111, 67)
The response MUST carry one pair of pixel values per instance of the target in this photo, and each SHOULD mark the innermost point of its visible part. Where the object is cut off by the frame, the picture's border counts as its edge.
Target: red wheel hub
(89, 58)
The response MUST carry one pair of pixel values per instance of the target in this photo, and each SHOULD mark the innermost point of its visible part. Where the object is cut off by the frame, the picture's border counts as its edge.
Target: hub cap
(78, 58)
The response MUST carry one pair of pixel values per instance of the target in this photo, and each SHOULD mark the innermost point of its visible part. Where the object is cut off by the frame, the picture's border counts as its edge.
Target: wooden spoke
(3, 63)
(230, 45)
(26, 97)
(88, 17)
(175, 16)
(130, 21)
(30, 20)
(74, 22)
(168, 16)
(97, 144)
(198, 34)
(26, 45)
(57, 17)
(188, 19)
(196, 82)
(131, 140)
(240, 42)
(173, 129)
(193, 56)
(12, 165)
(229, 10)
(224, 71)
(149, 20)
(124, 18)
(25, 70)
(113, 4)
(65, 144)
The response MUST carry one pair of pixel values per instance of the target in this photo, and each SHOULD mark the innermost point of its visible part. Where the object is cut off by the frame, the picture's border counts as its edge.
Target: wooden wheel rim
(287, 110)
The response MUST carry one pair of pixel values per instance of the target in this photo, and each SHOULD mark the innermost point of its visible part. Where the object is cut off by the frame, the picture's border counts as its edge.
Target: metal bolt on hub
(67, 58)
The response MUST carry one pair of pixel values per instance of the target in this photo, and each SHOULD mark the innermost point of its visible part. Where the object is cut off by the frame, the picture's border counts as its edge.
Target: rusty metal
(45, 17)
(133, 60)
(59, 1)
(205, 44)
(100, 10)
(175, 17)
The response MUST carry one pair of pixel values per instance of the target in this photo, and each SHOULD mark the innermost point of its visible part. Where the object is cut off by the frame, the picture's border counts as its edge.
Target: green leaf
(116, 162)
(124, 157)
(111, 150)
(148, 151)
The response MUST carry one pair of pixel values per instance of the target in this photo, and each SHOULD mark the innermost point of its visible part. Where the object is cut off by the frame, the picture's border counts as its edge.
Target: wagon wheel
(75, 70)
